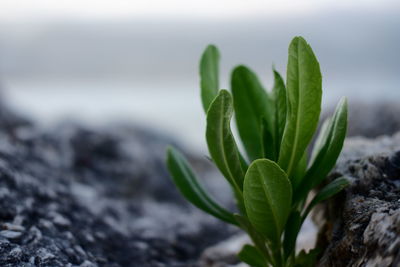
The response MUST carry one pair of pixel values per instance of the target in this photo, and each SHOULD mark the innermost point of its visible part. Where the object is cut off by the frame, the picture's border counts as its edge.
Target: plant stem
(277, 254)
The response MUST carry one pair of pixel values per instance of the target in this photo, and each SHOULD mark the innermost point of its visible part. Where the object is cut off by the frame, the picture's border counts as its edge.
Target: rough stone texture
(361, 226)
(74, 196)
(79, 196)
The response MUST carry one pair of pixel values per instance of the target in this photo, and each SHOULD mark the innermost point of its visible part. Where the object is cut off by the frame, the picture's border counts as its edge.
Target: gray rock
(372, 119)
(361, 226)
(10, 234)
(79, 196)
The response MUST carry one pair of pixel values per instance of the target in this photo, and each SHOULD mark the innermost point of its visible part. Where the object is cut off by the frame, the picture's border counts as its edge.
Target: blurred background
(98, 61)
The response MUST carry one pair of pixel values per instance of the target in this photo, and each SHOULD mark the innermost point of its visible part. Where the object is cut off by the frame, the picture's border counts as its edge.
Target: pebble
(15, 253)
(43, 254)
(12, 227)
(10, 234)
(60, 220)
(87, 263)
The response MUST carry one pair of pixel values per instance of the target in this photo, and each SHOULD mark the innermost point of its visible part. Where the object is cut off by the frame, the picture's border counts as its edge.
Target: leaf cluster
(272, 181)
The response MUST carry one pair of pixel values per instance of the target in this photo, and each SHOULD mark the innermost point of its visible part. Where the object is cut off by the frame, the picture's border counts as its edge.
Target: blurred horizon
(139, 61)
(78, 48)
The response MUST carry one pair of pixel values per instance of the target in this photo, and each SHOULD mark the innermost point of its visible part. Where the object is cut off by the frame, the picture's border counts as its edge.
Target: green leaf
(220, 141)
(267, 141)
(304, 90)
(321, 140)
(292, 230)
(328, 191)
(188, 185)
(243, 162)
(257, 238)
(251, 103)
(300, 171)
(250, 255)
(267, 198)
(332, 144)
(209, 75)
(328, 150)
(279, 93)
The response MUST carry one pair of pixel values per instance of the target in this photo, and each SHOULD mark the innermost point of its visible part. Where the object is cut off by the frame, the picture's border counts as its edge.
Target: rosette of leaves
(272, 180)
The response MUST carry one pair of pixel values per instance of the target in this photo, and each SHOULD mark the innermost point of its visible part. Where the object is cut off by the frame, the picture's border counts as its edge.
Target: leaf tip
(299, 39)
(239, 69)
(212, 47)
(344, 101)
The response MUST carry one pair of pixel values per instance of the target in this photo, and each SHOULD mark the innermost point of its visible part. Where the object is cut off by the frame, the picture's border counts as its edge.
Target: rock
(371, 119)
(80, 196)
(10, 234)
(361, 226)
(83, 196)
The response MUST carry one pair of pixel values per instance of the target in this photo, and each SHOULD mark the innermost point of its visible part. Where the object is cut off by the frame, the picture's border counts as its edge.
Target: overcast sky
(17, 10)
(163, 38)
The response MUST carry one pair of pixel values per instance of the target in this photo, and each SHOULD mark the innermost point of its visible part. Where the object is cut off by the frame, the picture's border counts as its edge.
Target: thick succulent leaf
(328, 191)
(250, 255)
(209, 75)
(187, 183)
(267, 198)
(304, 90)
(279, 93)
(220, 141)
(330, 147)
(251, 103)
(292, 230)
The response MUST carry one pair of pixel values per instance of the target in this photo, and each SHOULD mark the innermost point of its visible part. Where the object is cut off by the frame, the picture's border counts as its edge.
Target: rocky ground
(361, 226)
(79, 196)
(73, 196)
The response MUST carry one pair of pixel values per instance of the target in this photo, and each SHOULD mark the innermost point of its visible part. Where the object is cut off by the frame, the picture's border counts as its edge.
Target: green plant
(275, 129)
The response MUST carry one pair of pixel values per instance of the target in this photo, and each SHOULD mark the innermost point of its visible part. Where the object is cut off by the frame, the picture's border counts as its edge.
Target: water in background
(145, 70)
